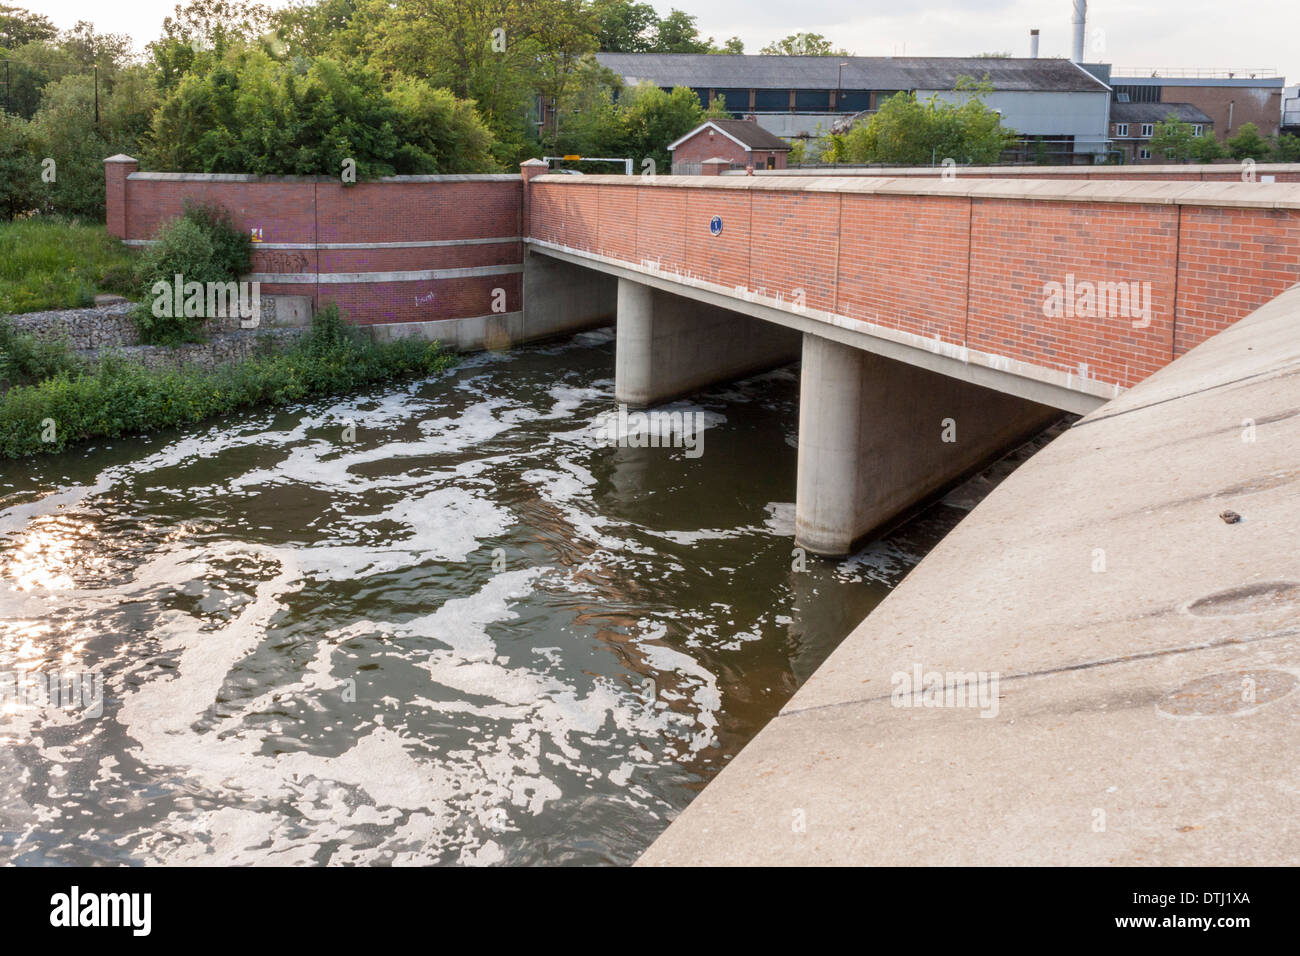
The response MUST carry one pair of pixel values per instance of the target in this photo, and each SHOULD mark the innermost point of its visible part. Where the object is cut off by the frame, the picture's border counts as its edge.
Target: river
(444, 622)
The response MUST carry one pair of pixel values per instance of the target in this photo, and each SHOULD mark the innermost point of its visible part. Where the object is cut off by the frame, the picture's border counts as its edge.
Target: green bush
(25, 359)
(202, 245)
(120, 398)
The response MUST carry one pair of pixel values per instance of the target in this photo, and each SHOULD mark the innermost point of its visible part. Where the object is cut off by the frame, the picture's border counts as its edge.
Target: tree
(677, 33)
(1173, 139)
(563, 37)
(339, 28)
(31, 67)
(67, 133)
(803, 44)
(1207, 149)
(1248, 144)
(1288, 148)
(90, 50)
(19, 166)
(907, 132)
(199, 33)
(19, 27)
(625, 26)
(733, 45)
(253, 113)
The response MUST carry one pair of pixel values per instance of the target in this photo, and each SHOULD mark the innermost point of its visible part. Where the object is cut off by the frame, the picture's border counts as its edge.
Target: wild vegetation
(59, 263)
(63, 403)
(204, 246)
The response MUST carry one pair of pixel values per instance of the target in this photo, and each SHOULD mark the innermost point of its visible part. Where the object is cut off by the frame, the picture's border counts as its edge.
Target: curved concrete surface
(1146, 642)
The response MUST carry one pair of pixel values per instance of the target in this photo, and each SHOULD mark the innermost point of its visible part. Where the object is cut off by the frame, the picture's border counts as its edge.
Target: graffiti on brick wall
(281, 262)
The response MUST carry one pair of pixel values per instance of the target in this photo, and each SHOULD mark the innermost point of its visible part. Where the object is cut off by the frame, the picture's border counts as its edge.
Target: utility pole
(97, 97)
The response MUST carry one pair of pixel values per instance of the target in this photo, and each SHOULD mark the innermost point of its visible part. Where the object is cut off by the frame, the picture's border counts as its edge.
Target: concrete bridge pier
(668, 345)
(879, 438)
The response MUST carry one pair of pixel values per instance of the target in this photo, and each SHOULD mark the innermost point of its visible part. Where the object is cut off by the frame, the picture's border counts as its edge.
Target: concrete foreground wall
(668, 345)
(1134, 589)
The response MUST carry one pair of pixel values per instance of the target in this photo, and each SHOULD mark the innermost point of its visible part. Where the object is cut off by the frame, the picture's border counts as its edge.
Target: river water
(444, 622)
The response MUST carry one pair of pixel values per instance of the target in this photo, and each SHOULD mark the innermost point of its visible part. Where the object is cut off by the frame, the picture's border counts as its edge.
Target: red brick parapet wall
(404, 249)
(965, 262)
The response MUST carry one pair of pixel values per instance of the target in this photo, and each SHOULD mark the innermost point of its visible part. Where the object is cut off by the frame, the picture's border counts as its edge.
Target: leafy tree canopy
(907, 132)
(256, 114)
(19, 26)
(803, 44)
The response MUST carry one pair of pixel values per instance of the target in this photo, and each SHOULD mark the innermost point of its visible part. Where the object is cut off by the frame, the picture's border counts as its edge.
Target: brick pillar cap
(534, 162)
(716, 161)
(122, 158)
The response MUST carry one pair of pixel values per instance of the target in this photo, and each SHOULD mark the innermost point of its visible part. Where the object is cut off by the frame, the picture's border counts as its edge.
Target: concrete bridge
(939, 322)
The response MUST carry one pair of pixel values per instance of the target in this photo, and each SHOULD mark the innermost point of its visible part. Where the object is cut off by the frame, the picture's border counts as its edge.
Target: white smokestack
(1033, 44)
(1080, 27)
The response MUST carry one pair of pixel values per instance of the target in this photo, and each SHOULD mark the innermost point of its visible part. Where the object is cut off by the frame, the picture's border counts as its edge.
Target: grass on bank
(117, 397)
(54, 263)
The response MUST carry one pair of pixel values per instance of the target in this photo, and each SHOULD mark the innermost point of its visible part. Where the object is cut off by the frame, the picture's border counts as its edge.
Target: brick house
(1133, 124)
(742, 142)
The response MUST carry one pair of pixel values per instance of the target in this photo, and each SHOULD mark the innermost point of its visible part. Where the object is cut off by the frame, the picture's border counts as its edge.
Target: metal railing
(1197, 73)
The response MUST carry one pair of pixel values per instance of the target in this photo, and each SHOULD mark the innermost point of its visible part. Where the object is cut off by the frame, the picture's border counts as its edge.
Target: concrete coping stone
(1250, 195)
(255, 178)
(1035, 172)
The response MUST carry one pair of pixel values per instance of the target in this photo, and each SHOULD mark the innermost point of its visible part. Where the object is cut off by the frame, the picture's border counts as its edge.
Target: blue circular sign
(715, 225)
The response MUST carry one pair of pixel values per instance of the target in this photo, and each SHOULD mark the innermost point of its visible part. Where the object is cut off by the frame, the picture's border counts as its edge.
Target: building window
(1148, 129)
(1144, 153)
(1121, 129)
(1198, 129)
(771, 101)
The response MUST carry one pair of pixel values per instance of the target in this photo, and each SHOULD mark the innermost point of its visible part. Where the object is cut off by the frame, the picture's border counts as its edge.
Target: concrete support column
(669, 346)
(878, 439)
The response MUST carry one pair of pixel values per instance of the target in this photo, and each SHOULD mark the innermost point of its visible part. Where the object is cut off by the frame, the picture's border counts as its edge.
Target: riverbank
(57, 397)
(1130, 601)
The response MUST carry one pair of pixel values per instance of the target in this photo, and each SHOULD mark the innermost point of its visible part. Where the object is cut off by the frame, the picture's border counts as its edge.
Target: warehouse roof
(1155, 112)
(741, 71)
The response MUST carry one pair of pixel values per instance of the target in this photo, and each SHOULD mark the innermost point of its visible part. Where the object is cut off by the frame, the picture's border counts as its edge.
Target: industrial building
(1056, 101)
(1231, 98)
(1133, 124)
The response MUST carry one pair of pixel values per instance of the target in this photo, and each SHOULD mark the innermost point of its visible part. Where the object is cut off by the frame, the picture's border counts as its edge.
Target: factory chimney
(1033, 44)
(1080, 26)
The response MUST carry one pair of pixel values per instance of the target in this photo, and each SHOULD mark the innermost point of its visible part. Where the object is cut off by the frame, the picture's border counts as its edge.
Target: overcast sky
(1211, 34)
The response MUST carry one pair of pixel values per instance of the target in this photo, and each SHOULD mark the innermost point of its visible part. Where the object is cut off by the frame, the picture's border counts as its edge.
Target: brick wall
(969, 270)
(407, 249)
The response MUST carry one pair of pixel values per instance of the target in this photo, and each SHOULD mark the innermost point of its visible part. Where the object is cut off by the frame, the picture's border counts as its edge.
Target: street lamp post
(839, 83)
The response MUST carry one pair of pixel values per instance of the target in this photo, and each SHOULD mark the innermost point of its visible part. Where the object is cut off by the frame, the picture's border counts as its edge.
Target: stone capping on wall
(257, 178)
(1134, 192)
(1038, 172)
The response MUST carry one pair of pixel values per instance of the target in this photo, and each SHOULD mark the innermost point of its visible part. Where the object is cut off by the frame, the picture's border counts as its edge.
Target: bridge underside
(878, 437)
